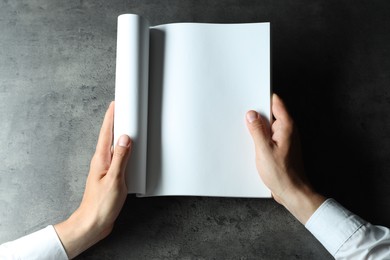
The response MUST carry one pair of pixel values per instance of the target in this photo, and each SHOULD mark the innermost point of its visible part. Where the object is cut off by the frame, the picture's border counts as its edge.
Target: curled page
(131, 94)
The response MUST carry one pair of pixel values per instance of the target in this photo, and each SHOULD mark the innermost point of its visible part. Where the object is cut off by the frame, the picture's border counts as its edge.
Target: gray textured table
(331, 62)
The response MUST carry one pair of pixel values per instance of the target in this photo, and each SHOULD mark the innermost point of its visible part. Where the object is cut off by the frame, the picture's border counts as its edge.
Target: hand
(104, 196)
(279, 161)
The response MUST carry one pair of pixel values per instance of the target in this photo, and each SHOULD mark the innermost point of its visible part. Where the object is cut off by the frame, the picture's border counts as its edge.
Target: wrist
(302, 202)
(78, 233)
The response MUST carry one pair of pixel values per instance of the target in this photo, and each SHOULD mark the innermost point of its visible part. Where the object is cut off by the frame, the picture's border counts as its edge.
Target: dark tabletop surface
(330, 62)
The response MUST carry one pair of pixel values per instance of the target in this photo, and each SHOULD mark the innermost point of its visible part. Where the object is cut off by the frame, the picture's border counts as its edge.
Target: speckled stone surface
(331, 62)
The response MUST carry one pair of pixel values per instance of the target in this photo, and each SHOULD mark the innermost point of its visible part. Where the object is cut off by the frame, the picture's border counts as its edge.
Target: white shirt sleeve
(43, 244)
(347, 236)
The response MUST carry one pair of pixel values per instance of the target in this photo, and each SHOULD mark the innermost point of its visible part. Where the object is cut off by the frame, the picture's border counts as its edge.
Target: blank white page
(203, 79)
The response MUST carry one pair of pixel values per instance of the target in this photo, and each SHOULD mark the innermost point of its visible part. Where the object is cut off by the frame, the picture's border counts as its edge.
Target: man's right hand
(279, 161)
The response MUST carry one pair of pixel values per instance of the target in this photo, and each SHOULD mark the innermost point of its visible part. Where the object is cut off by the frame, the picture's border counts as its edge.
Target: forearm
(43, 244)
(347, 236)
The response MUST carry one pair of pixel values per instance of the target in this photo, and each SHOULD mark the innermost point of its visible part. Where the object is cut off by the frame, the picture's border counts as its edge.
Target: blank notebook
(181, 93)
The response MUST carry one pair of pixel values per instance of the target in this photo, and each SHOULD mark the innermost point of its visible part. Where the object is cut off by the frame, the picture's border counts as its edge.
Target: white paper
(131, 94)
(203, 80)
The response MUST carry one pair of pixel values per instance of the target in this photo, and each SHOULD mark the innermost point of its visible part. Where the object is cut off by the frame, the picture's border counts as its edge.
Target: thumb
(121, 155)
(258, 128)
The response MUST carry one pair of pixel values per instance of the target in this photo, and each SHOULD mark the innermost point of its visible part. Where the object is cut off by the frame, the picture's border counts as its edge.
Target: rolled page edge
(131, 94)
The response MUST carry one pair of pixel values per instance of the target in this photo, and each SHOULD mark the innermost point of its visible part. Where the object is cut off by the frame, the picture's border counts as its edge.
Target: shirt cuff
(43, 244)
(333, 225)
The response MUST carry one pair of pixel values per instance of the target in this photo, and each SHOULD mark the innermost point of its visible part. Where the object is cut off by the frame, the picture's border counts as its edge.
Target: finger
(258, 128)
(121, 155)
(283, 126)
(276, 126)
(279, 109)
(103, 147)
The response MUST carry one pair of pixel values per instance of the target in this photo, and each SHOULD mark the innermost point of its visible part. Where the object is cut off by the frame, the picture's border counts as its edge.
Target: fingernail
(251, 116)
(124, 141)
